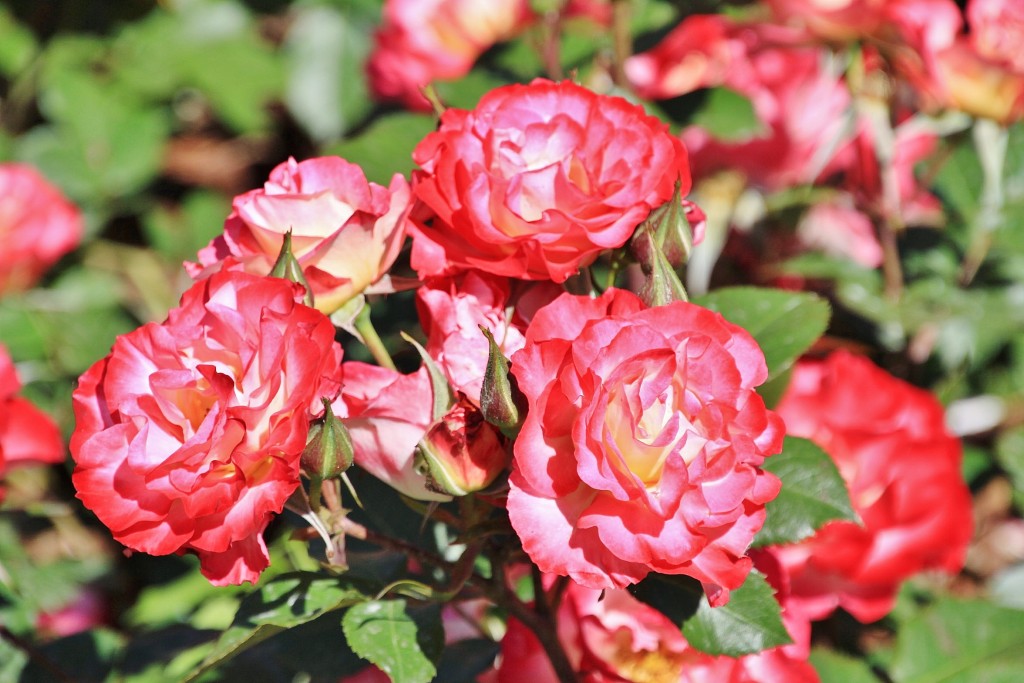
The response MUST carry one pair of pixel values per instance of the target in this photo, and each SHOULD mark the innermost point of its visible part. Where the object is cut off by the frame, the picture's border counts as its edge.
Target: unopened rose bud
(329, 450)
(462, 453)
(501, 402)
(661, 282)
(672, 231)
(287, 266)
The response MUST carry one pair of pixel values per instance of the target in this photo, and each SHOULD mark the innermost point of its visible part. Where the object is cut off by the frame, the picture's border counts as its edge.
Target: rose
(610, 636)
(188, 435)
(537, 180)
(997, 30)
(799, 103)
(423, 41)
(38, 225)
(452, 311)
(346, 232)
(27, 434)
(642, 447)
(902, 468)
(838, 229)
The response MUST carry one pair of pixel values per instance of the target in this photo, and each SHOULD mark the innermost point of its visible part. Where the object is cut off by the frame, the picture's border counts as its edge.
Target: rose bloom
(452, 310)
(188, 435)
(422, 41)
(611, 637)
(800, 104)
(27, 434)
(642, 447)
(346, 232)
(38, 225)
(902, 468)
(539, 179)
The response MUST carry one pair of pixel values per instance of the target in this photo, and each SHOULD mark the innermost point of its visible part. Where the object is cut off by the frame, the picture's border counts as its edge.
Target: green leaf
(1010, 455)
(835, 666)
(961, 641)
(402, 645)
(784, 324)
(325, 50)
(286, 601)
(728, 115)
(813, 493)
(750, 622)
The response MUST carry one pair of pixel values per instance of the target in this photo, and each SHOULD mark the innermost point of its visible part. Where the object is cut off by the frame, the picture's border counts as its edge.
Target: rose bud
(329, 451)
(462, 453)
(501, 402)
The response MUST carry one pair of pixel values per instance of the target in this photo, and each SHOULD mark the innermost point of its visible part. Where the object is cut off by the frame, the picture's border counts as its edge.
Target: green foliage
(750, 622)
(404, 642)
(961, 641)
(835, 666)
(813, 493)
(728, 115)
(784, 324)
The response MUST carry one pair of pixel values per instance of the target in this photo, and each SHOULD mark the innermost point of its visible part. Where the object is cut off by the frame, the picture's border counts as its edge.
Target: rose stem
(622, 44)
(364, 326)
(990, 141)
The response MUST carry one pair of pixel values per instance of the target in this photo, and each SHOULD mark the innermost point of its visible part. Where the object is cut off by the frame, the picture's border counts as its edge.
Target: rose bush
(38, 225)
(346, 232)
(188, 435)
(643, 443)
(902, 468)
(539, 179)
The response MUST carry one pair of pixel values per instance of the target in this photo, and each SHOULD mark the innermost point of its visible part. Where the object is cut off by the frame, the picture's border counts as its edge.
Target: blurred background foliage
(151, 116)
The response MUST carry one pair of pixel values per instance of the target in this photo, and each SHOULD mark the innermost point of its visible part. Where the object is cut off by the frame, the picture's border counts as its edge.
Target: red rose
(346, 232)
(422, 41)
(38, 225)
(902, 468)
(27, 434)
(537, 180)
(188, 435)
(642, 447)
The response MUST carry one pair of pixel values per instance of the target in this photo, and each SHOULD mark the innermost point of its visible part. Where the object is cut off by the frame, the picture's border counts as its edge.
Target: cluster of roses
(643, 438)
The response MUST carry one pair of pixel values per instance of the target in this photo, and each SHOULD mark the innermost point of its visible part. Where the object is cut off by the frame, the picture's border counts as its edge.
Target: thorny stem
(364, 326)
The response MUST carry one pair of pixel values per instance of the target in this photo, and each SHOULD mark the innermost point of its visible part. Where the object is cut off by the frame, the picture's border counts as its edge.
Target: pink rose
(27, 434)
(997, 30)
(642, 447)
(800, 104)
(539, 179)
(422, 41)
(346, 232)
(452, 310)
(188, 435)
(38, 225)
(839, 229)
(902, 468)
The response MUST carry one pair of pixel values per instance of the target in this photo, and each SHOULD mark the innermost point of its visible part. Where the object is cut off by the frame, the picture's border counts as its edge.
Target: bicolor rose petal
(188, 435)
(642, 447)
(538, 180)
(346, 231)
